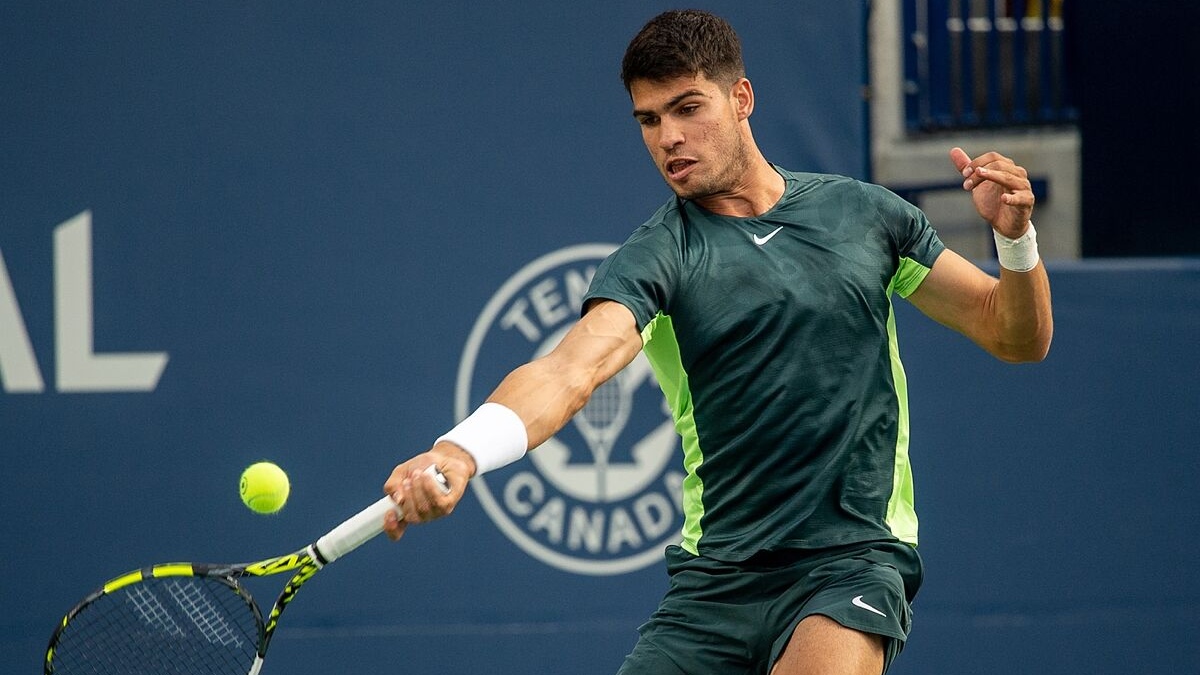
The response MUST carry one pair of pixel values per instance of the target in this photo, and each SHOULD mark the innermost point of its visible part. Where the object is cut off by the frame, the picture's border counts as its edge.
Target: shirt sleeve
(642, 274)
(917, 243)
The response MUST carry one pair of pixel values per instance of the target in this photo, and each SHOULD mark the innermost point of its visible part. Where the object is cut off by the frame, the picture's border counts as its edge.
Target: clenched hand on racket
(419, 497)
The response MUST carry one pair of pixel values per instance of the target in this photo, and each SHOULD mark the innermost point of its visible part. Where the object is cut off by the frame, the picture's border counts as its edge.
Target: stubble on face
(724, 164)
(710, 142)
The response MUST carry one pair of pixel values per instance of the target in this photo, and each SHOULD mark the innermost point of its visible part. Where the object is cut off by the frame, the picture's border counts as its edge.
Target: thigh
(867, 592)
(820, 645)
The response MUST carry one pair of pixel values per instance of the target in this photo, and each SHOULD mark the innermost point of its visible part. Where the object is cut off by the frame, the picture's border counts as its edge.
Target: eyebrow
(671, 103)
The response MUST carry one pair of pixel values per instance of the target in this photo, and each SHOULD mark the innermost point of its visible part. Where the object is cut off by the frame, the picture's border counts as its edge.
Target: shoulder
(668, 218)
(844, 188)
(812, 180)
(832, 181)
(664, 228)
(642, 271)
(884, 199)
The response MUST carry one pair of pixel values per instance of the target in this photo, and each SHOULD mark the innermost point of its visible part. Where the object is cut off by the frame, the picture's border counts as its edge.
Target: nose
(669, 134)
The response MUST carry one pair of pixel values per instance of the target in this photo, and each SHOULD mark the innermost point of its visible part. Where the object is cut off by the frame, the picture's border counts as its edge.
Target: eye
(647, 120)
(689, 108)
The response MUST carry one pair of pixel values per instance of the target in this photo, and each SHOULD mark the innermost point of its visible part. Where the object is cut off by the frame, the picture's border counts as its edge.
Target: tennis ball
(264, 487)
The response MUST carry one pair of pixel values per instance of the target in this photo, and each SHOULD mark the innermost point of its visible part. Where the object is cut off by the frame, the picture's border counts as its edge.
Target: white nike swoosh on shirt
(858, 602)
(762, 240)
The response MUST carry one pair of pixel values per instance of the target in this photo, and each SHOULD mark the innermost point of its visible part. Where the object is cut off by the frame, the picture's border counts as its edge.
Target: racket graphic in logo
(600, 421)
(602, 496)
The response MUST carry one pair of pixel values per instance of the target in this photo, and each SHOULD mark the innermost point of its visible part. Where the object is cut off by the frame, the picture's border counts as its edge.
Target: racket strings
(211, 622)
(146, 604)
(185, 625)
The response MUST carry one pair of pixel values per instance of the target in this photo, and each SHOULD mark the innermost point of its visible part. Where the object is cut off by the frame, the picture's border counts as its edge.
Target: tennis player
(762, 298)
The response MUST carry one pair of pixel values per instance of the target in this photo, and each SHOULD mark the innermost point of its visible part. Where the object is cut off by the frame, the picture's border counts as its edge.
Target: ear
(742, 97)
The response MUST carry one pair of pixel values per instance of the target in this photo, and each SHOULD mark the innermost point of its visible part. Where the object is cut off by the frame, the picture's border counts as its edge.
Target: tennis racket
(195, 617)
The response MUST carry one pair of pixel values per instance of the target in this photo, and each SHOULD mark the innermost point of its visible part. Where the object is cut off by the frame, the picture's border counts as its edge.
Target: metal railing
(985, 64)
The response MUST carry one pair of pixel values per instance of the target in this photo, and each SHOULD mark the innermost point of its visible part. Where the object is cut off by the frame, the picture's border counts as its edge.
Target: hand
(420, 496)
(999, 188)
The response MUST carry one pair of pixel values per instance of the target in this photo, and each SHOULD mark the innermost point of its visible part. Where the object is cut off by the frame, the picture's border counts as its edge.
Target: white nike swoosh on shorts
(858, 602)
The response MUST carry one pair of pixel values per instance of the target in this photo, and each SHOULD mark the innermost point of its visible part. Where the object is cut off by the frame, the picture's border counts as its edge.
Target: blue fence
(985, 63)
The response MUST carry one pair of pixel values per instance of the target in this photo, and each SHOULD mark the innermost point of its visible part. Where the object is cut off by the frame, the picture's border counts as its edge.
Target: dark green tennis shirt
(773, 339)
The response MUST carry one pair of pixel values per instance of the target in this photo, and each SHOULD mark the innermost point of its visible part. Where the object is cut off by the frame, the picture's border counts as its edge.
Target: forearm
(528, 407)
(544, 394)
(537, 399)
(1023, 323)
(547, 392)
(1009, 317)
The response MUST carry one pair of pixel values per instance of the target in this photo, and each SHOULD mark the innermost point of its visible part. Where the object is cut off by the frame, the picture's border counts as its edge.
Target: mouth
(677, 169)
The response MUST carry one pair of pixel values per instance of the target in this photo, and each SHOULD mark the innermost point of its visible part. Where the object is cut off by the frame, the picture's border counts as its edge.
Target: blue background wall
(307, 208)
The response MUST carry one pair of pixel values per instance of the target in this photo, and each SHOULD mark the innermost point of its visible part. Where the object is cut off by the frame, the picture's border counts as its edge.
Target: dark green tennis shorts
(734, 618)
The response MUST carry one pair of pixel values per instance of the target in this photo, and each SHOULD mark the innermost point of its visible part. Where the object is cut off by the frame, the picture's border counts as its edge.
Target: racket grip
(354, 531)
(363, 526)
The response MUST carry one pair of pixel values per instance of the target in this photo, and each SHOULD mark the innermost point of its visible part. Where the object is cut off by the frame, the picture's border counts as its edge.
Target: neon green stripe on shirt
(901, 511)
(662, 351)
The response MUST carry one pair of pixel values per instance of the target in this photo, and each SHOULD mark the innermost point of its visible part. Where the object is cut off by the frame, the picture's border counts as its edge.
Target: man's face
(691, 126)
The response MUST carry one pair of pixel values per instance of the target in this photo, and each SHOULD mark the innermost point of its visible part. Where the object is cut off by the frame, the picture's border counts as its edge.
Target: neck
(757, 192)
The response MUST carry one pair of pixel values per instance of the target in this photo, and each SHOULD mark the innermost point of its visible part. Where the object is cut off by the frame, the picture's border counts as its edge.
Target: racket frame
(347, 536)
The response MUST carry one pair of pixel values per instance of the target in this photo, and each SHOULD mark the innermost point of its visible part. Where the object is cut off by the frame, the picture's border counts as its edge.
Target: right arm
(547, 392)
(544, 393)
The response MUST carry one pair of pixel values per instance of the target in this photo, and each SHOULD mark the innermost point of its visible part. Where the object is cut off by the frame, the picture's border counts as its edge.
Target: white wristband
(493, 435)
(1020, 254)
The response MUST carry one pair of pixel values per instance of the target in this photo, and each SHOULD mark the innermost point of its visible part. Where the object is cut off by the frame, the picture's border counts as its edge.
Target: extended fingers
(1012, 179)
(960, 158)
(1001, 171)
(999, 187)
(992, 167)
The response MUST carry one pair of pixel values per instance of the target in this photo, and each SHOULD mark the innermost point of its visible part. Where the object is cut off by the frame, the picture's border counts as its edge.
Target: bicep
(956, 294)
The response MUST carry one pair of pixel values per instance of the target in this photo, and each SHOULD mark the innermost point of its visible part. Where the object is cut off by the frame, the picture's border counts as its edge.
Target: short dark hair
(684, 42)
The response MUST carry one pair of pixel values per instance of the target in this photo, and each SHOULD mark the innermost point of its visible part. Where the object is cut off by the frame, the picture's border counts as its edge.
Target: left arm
(1009, 317)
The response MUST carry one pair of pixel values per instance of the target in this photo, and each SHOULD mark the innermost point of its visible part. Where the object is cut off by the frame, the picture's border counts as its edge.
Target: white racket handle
(363, 526)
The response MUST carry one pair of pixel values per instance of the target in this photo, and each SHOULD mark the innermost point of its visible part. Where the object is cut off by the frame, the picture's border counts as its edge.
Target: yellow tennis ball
(264, 487)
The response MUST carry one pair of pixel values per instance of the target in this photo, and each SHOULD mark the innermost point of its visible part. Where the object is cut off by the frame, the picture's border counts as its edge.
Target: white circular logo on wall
(601, 496)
